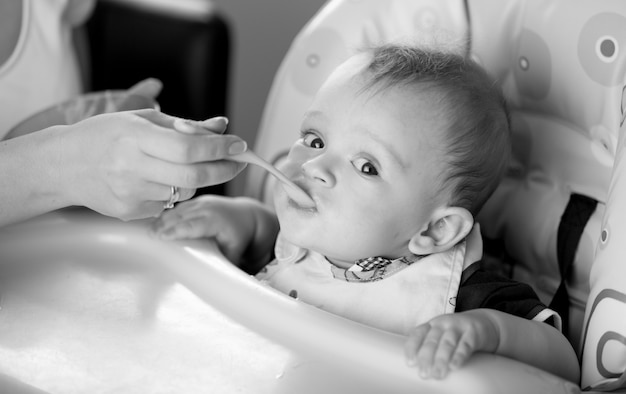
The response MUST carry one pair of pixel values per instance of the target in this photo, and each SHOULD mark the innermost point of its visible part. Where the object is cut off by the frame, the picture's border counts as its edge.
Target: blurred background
(214, 57)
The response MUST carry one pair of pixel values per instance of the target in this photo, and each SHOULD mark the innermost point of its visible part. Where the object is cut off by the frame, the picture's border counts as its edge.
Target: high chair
(93, 304)
(556, 221)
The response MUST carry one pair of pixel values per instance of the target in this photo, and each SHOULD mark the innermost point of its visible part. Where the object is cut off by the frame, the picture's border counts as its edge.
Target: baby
(399, 150)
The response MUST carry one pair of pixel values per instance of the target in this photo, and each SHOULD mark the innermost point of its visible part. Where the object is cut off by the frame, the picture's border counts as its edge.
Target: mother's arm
(119, 164)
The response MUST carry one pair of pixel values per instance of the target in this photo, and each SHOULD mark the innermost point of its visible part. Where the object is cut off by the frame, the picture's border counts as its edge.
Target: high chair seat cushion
(563, 73)
(563, 69)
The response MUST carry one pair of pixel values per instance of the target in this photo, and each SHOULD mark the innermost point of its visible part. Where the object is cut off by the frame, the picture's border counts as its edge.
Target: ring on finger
(174, 196)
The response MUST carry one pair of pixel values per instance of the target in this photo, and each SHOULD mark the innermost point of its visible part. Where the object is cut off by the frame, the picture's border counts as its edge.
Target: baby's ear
(447, 228)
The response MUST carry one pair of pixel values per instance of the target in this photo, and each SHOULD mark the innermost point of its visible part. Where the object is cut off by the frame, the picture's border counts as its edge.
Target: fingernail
(184, 126)
(154, 83)
(222, 119)
(216, 122)
(237, 147)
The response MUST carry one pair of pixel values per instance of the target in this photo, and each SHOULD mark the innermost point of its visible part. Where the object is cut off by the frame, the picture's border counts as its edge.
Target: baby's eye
(312, 140)
(366, 167)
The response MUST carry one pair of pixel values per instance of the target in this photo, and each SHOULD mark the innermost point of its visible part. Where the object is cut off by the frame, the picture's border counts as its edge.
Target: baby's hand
(446, 342)
(232, 222)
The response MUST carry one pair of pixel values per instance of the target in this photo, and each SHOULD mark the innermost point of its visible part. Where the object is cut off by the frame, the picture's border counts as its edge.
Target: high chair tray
(92, 304)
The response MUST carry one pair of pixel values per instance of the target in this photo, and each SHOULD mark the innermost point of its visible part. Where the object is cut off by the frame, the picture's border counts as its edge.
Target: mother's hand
(121, 164)
(125, 164)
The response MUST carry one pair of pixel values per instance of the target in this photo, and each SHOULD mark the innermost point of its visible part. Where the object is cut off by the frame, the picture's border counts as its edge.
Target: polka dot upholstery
(563, 69)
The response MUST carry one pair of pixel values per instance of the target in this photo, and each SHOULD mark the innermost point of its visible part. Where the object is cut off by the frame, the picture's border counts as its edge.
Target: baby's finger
(171, 217)
(414, 342)
(230, 247)
(444, 353)
(426, 353)
(167, 218)
(462, 353)
(188, 229)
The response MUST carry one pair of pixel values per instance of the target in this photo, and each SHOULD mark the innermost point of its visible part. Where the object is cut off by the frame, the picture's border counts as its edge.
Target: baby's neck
(345, 264)
(340, 263)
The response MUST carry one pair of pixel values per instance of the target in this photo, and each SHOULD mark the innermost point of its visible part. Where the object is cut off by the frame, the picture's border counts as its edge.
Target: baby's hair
(478, 132)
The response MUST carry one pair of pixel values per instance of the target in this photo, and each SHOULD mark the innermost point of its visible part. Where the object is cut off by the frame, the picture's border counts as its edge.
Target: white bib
(397, 302)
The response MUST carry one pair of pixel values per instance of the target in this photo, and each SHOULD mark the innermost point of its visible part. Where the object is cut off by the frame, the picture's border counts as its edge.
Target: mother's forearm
(31, 179)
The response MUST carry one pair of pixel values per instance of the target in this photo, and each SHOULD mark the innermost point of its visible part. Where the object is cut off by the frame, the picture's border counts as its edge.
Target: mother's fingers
(210, 126)
(157, 117)
(182, 148)
(149, 87)
(216, 124)
(148, 192)
(165, 193)
(191, 176)
(160, 139)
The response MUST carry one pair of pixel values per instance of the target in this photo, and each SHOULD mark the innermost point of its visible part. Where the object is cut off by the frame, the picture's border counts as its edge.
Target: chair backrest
(562, 65)
(563, 69)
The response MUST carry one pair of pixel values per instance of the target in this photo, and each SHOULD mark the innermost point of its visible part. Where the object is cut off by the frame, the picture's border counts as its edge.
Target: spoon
(295, 192)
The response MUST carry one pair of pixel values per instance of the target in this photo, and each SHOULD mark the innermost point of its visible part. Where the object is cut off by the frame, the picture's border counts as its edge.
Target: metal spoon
(294, 191)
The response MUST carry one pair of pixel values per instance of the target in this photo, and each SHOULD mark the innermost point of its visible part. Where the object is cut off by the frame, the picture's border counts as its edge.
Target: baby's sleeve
(483, 289)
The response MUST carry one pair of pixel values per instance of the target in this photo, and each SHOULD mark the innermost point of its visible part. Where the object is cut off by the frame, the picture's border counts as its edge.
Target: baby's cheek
(279, 198)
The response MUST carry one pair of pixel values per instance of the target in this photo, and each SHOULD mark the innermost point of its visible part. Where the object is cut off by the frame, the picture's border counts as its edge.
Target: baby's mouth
(300, 199)
(300, 207)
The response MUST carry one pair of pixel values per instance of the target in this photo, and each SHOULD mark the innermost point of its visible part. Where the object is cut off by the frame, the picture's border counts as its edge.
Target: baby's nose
(319, 171)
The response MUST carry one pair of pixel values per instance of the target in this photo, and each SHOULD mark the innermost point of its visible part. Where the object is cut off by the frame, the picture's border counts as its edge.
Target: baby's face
(371, 162)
